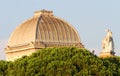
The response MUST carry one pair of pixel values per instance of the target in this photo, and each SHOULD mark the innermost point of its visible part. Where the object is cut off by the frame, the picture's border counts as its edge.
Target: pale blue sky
(90, 17)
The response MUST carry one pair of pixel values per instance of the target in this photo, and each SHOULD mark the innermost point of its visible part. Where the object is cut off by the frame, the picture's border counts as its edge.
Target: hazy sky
(90, 17)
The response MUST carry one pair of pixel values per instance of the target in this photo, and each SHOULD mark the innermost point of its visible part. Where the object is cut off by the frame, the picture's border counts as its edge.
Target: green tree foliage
(3, 68)
(65, 61)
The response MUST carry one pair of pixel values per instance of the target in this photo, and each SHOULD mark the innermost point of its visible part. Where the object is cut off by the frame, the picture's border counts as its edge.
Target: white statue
(108, 43)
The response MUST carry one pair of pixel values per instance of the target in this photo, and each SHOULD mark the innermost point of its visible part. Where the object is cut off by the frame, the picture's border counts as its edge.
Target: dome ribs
(55, 23)
(50, 28)
(64, 35)
(38, 36)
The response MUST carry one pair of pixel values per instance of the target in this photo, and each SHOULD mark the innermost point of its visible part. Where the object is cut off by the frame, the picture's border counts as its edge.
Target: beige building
(41, 31)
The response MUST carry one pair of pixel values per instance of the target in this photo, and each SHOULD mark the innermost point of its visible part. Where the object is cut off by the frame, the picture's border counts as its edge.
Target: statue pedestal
(107, 54)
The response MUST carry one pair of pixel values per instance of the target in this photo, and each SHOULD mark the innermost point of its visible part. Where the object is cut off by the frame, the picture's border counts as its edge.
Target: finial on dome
(43, 12)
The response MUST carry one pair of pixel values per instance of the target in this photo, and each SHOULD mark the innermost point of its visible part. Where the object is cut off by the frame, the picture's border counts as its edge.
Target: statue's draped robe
(108, 43)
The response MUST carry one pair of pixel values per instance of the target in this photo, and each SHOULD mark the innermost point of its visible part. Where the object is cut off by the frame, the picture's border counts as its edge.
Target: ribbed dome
(44, 27)
(41, 31)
